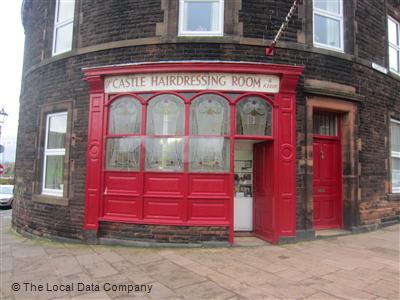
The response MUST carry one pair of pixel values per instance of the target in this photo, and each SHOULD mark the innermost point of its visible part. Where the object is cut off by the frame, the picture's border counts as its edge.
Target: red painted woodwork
(285, 165)
(264, 220)
(190, 198)
(206, 185)
(94, 161)
(163, 208)
(327, 184)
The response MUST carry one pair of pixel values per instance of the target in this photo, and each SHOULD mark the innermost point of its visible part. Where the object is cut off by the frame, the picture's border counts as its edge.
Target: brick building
(165, 121)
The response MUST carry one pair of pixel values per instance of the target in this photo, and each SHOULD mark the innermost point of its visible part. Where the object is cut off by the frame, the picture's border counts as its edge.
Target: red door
(327, 184)
(263, 219)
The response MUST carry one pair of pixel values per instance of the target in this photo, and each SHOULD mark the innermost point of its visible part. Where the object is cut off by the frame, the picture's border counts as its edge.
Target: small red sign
(1, 169)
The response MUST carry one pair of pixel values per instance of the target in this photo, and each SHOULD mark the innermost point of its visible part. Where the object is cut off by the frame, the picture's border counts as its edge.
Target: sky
(11, 53)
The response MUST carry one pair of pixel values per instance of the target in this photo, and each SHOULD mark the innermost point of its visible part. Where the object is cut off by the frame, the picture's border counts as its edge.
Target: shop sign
(192, 81)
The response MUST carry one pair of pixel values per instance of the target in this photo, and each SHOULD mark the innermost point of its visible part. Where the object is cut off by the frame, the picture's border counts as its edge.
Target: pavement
(362, 266)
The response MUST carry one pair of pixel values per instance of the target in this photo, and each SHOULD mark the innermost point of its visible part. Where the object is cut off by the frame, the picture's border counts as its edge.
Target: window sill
(327, 47)
(394, 197)
(394, 73)
(48, 199)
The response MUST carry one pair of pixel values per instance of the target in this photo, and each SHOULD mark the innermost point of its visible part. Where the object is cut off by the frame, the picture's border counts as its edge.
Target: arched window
(166, 117)
(209, 114)
(125, 116)
(209, 129)
(123, 153)
(254, 117)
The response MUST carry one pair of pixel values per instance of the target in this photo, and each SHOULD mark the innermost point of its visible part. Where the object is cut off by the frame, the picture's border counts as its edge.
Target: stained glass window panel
(254, 117)
(125, 116)
(165, 115)
(209, 114)
(123, 154)
(164, 154)
(209, 155)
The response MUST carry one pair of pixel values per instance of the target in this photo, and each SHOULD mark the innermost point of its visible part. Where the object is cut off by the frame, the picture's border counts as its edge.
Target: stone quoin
(162, 121)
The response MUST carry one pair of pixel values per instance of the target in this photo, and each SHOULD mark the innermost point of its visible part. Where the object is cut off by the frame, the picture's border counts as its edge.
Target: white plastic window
(54, 153)
(328, 24)
(394, 45)
(395, 155)
(201, 17)
(63, 26)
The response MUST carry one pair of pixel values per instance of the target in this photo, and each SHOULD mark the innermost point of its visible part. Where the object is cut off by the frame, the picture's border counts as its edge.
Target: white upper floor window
(54, 153)
(328, 24)
(395, 155)
(201, 17)
(63, 26)
(394, 45)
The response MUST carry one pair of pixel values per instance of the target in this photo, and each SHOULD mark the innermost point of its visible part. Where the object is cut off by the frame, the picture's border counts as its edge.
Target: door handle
(322, 155)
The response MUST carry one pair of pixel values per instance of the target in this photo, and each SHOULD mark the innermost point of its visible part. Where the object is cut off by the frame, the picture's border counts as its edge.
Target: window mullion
(328, 14)
(63, 23)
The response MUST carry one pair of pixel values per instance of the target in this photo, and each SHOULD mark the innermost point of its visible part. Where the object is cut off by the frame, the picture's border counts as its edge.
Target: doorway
(243, 178)
(327, 182)
(253, 201)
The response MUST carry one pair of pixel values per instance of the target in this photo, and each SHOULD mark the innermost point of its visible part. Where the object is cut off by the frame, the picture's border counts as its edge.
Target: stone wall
(49, 80)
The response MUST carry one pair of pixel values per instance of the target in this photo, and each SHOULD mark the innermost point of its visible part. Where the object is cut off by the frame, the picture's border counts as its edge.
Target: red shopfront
(179, 143)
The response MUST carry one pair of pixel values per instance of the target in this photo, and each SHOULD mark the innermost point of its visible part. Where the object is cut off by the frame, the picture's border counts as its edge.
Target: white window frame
(395, 47)
(330, 15)
(181, 18)
(58, 25)
(394, 154)
(51, 152)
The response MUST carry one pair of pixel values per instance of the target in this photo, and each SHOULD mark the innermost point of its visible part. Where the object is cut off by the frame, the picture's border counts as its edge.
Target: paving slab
(361, 266)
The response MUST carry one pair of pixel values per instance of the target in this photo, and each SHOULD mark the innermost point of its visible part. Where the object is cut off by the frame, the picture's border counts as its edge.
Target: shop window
(209, 114)
(63, 26)
(395, 155)
(54, 154)
(201, 17)
(325, 124)
(209, 154)
(123, 152)
(328, 24)
(165, 115)
(394, 45)
(209, 127)
(125, 116)
(164, 154)
(254, 117)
